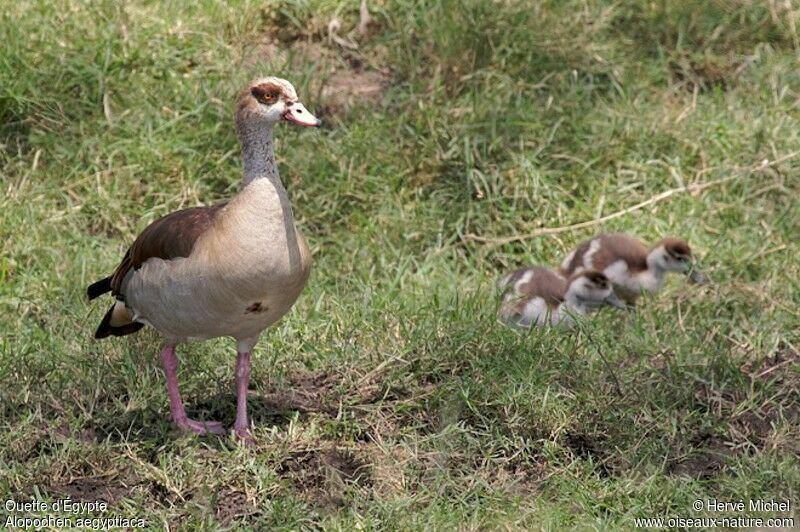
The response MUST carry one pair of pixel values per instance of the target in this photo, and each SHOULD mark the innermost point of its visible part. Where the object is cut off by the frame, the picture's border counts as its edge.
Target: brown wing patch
(550, 287)
(507, 283)
(544, 283)
(614, 247)
(577, 258)
(167, 238)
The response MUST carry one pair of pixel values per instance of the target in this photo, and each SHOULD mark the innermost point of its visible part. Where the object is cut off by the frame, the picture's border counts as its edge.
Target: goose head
(674, 255)
(268, 101)
(592, 289)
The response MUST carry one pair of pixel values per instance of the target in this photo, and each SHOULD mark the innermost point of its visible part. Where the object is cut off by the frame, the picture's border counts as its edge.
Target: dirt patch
(587, 446)
(750, 427)
(344, 78)
(320, 392)
(388, 466)
(85, 435)
(755, 427)
(348, 88)
(161, 495)
(304, 392)
(518, 477)
(779, 367)
(283, 28)
(270, 51)
(232, 504)
(95, 489)
(707, 458)
(703, 464)
(706, 72)
(284, 401)
(322, 475)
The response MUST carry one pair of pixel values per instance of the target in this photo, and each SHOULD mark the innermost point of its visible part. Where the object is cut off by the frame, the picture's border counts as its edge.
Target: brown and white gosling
(230, 269)
(540, 296)
(632, 267)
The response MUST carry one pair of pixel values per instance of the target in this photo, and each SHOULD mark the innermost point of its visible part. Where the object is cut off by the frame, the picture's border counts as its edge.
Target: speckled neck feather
(258, 153)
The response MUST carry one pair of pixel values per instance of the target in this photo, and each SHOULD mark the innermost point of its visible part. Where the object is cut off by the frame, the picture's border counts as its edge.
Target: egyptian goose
(539, 296)
(230, 269)
(630, 265)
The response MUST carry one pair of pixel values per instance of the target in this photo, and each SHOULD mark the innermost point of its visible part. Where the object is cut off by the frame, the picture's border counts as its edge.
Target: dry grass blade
(690, 189)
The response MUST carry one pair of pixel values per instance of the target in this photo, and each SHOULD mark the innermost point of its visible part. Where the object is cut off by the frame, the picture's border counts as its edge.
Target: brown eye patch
(676, 248)
(597, 278)
(266, 93)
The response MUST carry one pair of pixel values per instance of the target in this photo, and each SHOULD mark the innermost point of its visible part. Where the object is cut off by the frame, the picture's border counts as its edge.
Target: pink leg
(176, 409)
(241, 426)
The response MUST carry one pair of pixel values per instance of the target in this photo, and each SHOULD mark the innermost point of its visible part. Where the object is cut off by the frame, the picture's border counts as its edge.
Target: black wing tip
(105, 329)
(99, 288)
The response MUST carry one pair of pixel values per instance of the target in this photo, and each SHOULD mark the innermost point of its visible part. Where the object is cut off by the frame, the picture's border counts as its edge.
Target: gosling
(542, 297)
(630, 265)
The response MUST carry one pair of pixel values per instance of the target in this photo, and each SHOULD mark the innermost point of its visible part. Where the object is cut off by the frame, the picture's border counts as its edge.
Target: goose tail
(99, 288)
(117, 322)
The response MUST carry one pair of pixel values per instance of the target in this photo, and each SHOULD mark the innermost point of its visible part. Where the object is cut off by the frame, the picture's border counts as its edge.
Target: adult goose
(230, 269)
(631, 266)
(541, 297)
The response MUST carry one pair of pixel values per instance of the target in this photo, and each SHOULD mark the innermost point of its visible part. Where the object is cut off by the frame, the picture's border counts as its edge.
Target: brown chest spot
(256, 308)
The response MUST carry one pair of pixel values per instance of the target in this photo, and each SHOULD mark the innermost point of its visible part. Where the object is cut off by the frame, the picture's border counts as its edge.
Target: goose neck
(258, 153)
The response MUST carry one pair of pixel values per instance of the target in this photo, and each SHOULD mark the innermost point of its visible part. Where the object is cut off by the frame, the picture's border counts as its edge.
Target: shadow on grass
(148, 425)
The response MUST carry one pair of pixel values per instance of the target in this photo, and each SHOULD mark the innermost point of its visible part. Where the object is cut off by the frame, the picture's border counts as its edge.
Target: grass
(390, 397)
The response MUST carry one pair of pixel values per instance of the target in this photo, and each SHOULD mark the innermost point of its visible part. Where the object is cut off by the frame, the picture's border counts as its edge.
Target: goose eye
(265, 94)
(266, 98)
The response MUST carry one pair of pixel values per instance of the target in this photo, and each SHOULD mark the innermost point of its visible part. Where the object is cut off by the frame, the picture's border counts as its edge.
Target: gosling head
(674, 255)
(590, 290)
(268, 101)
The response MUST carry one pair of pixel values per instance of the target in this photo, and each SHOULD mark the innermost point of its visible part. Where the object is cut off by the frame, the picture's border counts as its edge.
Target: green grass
(390, 397)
